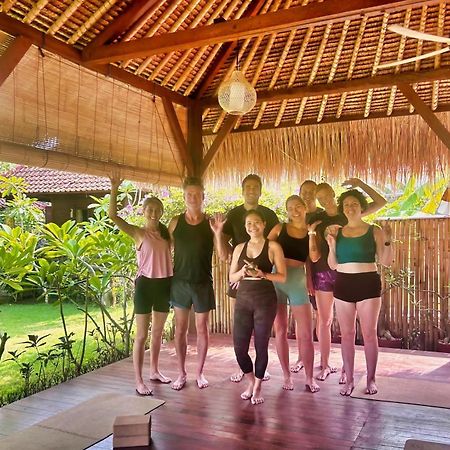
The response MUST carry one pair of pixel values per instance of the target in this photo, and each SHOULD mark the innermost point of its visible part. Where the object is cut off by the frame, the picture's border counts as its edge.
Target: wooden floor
(216, 417)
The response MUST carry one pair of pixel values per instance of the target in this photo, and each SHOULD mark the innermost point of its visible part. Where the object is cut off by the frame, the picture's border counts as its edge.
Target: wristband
(312, 233)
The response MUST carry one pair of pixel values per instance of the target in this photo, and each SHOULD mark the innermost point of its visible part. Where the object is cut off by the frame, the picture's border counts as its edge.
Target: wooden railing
(418, 309)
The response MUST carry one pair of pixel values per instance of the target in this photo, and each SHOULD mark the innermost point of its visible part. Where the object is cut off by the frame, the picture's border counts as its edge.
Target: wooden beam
(313, 14)
(426, 113)
(53, 45)
(194, 140)
(339, 87)
(308, 122)
(30, 156)
(120, 25)
(177, 132)
(218, 141)
(14, 53)
(226, 51)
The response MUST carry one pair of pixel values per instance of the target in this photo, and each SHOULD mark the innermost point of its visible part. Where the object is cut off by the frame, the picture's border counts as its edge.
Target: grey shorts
(184, 294)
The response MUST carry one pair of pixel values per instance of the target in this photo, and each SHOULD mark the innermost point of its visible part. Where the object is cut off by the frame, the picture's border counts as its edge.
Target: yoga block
(131, 431)
(415, 444)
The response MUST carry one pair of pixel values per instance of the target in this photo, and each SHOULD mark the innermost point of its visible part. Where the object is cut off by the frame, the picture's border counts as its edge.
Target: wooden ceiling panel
(320, 55)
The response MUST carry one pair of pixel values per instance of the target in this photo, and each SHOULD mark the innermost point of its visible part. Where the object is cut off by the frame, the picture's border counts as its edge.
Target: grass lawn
(20, 320)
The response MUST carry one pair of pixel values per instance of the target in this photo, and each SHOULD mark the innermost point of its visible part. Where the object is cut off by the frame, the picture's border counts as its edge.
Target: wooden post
(194, 140)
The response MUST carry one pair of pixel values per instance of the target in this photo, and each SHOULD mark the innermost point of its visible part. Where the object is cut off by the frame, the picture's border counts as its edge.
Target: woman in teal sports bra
(357, 291)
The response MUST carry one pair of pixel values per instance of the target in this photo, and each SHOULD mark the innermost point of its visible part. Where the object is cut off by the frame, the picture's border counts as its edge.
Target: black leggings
(255, 311)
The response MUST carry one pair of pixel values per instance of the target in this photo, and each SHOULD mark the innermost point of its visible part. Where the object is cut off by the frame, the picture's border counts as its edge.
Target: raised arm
(216, 222)
(131, 230)
(314, 249)
(378, 201)
(383, 240)
(331, 241)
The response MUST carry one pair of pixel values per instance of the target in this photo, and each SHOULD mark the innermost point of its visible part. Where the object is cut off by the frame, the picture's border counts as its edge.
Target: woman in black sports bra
(298, 242)
(256, 300)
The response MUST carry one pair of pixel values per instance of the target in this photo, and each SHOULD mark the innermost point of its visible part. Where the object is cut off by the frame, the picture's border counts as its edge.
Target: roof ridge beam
(282, 20)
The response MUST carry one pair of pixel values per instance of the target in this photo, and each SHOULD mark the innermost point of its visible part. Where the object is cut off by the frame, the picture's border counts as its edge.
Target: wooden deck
(216, 418)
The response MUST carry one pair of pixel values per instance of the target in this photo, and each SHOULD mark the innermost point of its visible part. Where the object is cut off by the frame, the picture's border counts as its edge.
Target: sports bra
(356, 249)
(293, 248)
(262, 260)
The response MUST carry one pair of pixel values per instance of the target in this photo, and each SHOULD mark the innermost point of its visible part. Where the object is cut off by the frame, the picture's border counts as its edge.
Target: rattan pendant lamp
(236, 95)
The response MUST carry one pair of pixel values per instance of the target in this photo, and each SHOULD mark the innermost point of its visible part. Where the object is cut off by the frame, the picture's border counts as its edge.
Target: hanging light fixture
(236, 95)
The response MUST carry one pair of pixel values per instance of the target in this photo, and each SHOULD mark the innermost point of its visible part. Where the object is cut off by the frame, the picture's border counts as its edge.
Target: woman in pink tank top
(152, 285)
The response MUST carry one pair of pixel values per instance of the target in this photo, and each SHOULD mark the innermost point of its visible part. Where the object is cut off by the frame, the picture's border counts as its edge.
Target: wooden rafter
(15, 28)
(226, 51)
(378, 55)
(123, 23)
(218, 141)
(12, 57)
(283, 20)
(361, 84)
(177, 132)
(313, 121)
(426, 113)
(106, 6)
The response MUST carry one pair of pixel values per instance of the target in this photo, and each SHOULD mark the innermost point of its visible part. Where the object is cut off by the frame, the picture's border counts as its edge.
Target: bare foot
(158, 376)
(323, 375)
(266, 376)
(143, 390)
(347, 389)
(257, 400)
(343, 378)
(312, 386)
(371, 388)
(288, 384)
(297, 366)
(179, 383)
(247, 394)
(237, 377)
(202, 382)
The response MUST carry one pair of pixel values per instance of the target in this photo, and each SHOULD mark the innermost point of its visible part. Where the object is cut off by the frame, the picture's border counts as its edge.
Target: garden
(65, 291)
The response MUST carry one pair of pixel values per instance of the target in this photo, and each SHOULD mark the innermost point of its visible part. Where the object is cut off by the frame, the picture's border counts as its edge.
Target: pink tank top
(153, 257)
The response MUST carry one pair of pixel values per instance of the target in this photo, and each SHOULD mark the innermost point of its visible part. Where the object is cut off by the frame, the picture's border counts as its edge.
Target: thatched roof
(324, 105)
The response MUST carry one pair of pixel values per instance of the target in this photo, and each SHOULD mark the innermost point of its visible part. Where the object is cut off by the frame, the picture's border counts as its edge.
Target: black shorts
(355, 287)
(151, 294)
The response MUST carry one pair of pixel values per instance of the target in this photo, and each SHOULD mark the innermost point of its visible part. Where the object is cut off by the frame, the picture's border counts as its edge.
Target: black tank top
(293, 248)
(262, 260)
(193, 245)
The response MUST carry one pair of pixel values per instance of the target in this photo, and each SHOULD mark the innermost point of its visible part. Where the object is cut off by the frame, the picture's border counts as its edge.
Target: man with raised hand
(194, 236)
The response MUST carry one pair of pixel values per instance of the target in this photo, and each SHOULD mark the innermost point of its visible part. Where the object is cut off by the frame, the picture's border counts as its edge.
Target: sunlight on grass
(21, 320)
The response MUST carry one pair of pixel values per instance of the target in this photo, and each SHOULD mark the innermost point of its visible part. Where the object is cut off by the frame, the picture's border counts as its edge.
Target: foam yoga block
(132, 431)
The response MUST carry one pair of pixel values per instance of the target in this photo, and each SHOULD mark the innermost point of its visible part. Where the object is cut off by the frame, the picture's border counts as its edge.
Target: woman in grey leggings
(256, 300)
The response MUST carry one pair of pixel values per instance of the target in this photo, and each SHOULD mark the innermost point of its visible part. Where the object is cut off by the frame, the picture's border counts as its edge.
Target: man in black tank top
(193, 237)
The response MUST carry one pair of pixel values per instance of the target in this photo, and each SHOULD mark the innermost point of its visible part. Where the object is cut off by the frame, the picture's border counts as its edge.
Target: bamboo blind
(418, 311)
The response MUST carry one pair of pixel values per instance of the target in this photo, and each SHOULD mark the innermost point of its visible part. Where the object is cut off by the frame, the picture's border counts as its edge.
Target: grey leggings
(255, 311)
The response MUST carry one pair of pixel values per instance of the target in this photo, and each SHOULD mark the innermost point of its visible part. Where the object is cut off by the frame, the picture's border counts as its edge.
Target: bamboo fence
(417, 310)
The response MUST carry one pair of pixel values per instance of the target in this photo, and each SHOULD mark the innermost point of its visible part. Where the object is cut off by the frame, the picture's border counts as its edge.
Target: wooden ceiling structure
(314, 64)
